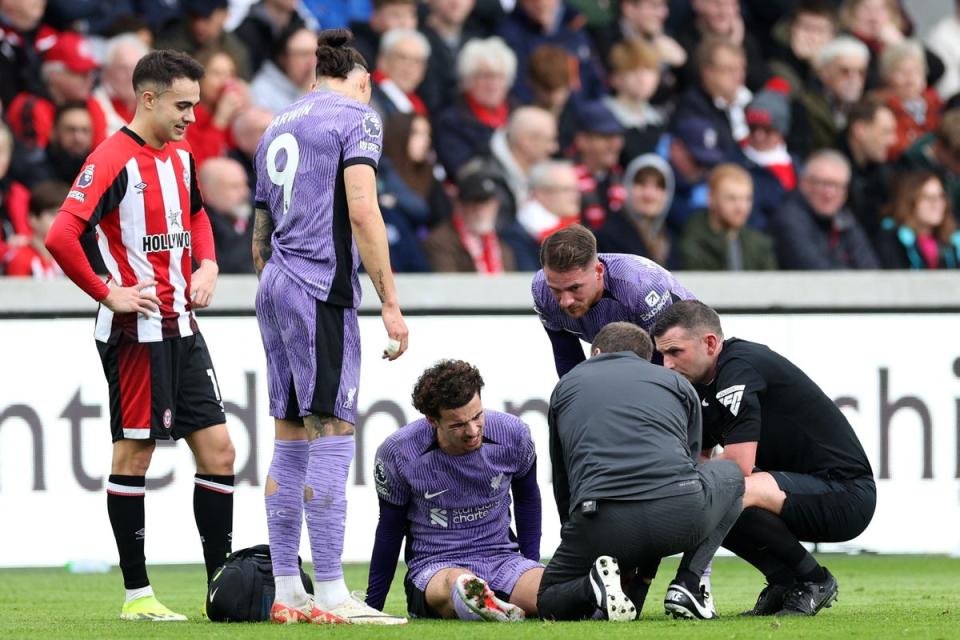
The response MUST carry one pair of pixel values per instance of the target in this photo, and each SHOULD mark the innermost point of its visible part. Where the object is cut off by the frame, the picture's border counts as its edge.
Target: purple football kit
(457, 508)
(635, 289)
(306, 309)
(309, 289)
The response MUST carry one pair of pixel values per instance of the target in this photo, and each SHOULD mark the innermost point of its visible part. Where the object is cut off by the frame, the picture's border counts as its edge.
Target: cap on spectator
(595, 117)
(701, 140)
(71, 52)
(204, 8)
(770, 108)
(475, 183)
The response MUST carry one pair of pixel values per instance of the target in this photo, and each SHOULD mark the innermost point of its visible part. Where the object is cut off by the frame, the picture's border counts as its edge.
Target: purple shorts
(312, 348)
(500, 570)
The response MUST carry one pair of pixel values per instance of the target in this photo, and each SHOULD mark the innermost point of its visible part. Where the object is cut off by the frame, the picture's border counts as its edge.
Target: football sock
(136, 594)
(326, 509)
(285, 507)
(689, 579)
(125, 496)
(460, 607)
(213, 511)
(330, 593)
(817, 574)
(290, 591)
(782, 557)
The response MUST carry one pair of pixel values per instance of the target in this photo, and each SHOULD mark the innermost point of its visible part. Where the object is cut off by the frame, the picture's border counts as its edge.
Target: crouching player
(444, 482)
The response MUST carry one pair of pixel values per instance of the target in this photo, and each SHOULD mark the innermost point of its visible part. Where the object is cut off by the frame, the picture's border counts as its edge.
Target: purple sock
(460, 607)
(285, 507)
(326, 511)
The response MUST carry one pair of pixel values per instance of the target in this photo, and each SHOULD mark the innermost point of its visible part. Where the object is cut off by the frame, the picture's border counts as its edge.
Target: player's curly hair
(335, 59)
(449, 384)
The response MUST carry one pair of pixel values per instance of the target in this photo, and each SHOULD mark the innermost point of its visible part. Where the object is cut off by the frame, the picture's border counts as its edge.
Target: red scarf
(495, 118)
(122, 110)
(418, 107)
(484, 250)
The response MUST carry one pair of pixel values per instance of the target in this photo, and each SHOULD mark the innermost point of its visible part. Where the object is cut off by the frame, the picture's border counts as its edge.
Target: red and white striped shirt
(147, 210)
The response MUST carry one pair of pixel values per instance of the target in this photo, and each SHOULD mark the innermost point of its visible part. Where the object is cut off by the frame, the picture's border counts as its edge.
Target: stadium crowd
(703, 134)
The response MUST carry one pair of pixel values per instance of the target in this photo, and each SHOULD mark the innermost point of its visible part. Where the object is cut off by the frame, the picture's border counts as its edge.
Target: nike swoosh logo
(429, 495)
(213, 593)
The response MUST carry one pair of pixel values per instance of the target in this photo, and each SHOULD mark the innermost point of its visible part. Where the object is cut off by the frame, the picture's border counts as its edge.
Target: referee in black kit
(807, 476)
(624, 443)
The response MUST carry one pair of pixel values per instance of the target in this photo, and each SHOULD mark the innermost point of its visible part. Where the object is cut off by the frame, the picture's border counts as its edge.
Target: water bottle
(88, 565)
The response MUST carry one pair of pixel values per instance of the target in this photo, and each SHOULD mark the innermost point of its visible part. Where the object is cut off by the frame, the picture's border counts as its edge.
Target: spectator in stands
(538, 22)
(720, 96)
(645, 20)
(871, 132)
(922, 233)
(9, 231)
(721, 19)
(529, 138)
(634, 76)
(289, 73)
(468, 242)
(640, 226)
(553, 90)
(222, 96)
(32, 260)
(401, 64)
(940, 152)
(201, 31)
(20, 28)
(67, 71)
(599, 141)
(386, 16)
(246, 131)
(337, 14)
(915, 106)
(266, 24)
(554, 200)
(773, 169)
(486, 68)
(798, 41)
(944, 41)
(411, 198)
(692, 152)
(226, 197)
(814, 229)
(447, 28)
(71, 141)
(133, 25)
(811, 25)
(718, 239)
(880, 24)
(841, 70)
(115, 94)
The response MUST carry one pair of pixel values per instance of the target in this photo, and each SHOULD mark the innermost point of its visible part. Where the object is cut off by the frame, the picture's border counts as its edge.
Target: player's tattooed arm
(379, 285)
(262, 231)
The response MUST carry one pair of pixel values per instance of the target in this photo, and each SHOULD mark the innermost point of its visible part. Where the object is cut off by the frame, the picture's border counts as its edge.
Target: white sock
(290, 591)
(330, 593)
(142, 592)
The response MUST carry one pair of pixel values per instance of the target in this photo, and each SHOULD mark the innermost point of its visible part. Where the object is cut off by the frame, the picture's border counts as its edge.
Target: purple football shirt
(635, 290)
(457, 506)
(300, 163)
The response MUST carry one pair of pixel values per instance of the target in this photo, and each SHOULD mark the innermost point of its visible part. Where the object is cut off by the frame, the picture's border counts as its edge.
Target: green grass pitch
(880, 597)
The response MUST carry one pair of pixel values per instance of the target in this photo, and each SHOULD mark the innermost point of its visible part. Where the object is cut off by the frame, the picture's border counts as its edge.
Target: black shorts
(417, 606)
(819, 509)
(161, 390)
